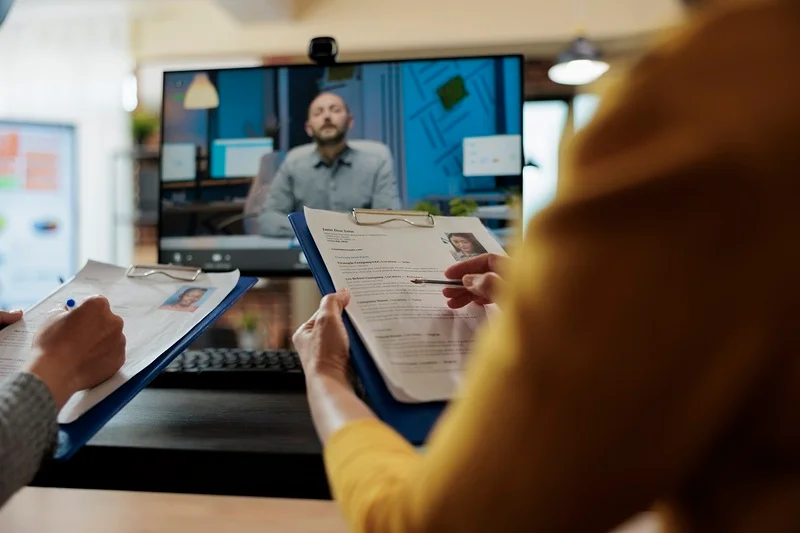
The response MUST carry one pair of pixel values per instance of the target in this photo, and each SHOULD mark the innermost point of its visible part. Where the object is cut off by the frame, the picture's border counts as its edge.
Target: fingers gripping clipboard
(413, 421)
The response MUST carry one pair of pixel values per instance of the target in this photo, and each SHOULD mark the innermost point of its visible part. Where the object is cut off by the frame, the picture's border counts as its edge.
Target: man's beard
(329, 141)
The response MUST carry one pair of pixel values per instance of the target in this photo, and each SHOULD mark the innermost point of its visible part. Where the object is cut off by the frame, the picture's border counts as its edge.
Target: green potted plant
(248, 335)
(428, 207)
(143, 124)
(463, 207)
(514, 202)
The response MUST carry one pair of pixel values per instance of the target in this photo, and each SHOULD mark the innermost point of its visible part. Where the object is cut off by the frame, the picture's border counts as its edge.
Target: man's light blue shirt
(362, 176)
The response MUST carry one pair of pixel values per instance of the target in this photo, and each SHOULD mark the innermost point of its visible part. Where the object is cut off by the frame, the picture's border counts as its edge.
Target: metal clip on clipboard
(180, 273)
(399, 216)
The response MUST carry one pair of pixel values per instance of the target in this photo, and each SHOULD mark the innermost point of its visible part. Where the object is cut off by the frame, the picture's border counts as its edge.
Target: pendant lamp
(201, 94)
(581, 62)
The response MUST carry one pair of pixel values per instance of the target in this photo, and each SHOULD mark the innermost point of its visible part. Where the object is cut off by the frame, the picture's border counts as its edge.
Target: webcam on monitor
(322, 50)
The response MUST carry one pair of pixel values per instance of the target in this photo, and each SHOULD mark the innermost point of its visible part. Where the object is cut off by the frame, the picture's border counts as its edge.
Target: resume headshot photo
(465, 245)
(187, 299)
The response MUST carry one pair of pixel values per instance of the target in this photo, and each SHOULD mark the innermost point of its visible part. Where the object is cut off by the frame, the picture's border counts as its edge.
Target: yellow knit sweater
(647, 356)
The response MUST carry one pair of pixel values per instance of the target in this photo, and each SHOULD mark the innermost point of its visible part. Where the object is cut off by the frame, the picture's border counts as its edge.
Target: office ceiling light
(579, 64)
(201, 94)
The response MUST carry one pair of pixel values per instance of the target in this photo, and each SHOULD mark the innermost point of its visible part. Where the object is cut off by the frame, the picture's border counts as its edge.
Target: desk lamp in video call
(241, 149)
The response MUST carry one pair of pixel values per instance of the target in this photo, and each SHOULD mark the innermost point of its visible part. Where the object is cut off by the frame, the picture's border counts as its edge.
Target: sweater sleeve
(644, 301)
(28, 430)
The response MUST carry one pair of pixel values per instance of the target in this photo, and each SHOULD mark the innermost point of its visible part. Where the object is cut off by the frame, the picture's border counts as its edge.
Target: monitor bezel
(305, 273)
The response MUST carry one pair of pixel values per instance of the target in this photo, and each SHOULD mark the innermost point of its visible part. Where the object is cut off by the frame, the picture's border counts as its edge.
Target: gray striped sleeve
(28, 431)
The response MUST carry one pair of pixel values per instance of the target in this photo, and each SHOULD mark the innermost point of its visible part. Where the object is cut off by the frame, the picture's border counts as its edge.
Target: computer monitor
(38, 210)
(450, 128)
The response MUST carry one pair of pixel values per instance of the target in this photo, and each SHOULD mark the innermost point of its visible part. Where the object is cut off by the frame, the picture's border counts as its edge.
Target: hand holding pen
(478, 280)
(79, 347)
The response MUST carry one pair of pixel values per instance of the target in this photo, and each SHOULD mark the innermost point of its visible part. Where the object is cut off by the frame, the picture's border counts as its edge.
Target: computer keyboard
(233, 368)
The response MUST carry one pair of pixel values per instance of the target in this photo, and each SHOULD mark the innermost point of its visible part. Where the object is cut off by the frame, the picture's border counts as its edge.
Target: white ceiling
(170, 30)
(250, 11)
(179, 28)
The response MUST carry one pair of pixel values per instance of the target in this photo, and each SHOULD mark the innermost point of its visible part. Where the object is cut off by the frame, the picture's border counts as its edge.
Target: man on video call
(330, 173)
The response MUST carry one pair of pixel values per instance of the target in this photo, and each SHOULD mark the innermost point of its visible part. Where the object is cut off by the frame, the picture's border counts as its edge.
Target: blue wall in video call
(421, 109)
(475, 103)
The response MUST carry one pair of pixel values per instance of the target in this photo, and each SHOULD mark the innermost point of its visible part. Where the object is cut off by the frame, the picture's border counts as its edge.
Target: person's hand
(481, 277)
(322, 342)
(9, 317)
(78, 349)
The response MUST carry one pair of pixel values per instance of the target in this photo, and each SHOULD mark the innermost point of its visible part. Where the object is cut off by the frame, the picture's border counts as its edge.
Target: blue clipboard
(412, 420)
(72, 436)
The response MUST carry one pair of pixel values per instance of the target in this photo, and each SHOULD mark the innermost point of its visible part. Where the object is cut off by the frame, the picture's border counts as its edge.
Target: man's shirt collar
(345, 157)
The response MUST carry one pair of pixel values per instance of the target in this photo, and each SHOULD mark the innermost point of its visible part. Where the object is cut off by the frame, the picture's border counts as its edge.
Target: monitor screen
(38, 211)
(242, 148)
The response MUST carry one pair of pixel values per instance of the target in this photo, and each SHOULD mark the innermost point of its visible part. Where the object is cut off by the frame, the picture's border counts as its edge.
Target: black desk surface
(248, 443)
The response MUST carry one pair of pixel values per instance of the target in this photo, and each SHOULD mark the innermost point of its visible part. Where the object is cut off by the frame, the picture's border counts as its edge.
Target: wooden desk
(86, 511)
(90, 511)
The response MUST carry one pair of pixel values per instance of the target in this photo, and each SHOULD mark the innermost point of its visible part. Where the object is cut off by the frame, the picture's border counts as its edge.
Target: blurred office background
(96, 66)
